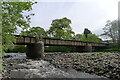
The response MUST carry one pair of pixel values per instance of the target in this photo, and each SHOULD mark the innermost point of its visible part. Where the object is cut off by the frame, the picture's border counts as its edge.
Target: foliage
(12, 18)
(36, 32)
(78, 37)
(61, 29)
(59, 49)
(90, 38)
(112, 49)
(19, 48)
(86, 32)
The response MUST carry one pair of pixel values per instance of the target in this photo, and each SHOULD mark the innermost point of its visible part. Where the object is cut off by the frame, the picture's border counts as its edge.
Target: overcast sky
(91, 14)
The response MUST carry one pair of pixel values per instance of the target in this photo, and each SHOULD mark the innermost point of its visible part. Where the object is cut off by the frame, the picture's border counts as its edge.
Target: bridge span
(35, 47)
(26, 40)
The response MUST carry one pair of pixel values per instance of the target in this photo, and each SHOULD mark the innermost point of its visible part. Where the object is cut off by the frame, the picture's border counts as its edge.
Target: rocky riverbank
(63, 65)
(18, 66)
(93, 63)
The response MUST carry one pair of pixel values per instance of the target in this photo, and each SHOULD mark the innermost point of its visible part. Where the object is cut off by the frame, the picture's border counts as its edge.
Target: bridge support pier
(88, 48)
(35, 50)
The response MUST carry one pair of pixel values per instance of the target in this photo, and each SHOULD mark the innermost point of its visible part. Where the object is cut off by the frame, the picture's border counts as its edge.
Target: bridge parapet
(26, 40)
(59, 42)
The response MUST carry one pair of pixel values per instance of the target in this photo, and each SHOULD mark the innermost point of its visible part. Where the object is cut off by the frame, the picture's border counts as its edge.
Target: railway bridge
(35, 49)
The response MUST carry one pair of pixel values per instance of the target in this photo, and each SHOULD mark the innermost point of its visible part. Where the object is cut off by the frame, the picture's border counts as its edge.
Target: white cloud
(86, 13)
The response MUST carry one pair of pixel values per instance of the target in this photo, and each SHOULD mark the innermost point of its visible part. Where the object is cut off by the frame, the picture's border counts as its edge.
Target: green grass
(102, 53)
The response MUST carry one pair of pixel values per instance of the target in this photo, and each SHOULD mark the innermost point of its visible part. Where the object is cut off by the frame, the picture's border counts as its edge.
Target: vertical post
(35, 50)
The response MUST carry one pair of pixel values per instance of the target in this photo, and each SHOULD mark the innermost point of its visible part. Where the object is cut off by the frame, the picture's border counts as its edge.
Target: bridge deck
(26, 40)
(58, 42)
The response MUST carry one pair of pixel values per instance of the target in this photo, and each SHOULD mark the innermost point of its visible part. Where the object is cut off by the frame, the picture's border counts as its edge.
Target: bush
(112, 49)
(17, 48)
(59, 49)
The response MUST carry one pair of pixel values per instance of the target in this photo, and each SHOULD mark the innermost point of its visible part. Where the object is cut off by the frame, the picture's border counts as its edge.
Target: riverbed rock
(93, 63)
(33, 69)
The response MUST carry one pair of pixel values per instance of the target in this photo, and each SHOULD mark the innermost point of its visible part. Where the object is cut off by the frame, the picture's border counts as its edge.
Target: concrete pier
(88, 48)
(35, 50)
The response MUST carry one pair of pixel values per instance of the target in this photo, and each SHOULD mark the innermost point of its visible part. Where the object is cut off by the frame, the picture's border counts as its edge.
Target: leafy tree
(61, 29)
(78, 37)
(12, 18)
(90, 38)
(36, 32)
(86, 32)
(111, 30)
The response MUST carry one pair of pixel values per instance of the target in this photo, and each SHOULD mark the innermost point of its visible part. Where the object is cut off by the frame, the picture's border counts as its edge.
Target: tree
(86, 32)
(78, 37)
(12, 18)
(61, 29)
(90, 38)
(36, 32)
(111, 30)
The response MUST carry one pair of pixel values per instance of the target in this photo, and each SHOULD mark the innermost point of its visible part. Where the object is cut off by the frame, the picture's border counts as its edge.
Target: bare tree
(111, 30)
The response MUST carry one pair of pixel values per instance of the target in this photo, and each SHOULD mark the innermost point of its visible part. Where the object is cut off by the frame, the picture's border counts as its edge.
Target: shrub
(17, 48)
(112, 49)
(59, 49)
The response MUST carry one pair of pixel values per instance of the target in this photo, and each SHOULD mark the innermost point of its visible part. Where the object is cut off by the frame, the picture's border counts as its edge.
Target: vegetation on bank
(22, 49)
(102, 53)
(112, 50)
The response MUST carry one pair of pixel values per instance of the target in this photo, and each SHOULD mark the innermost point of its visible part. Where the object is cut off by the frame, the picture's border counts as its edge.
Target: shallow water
(16, 55)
